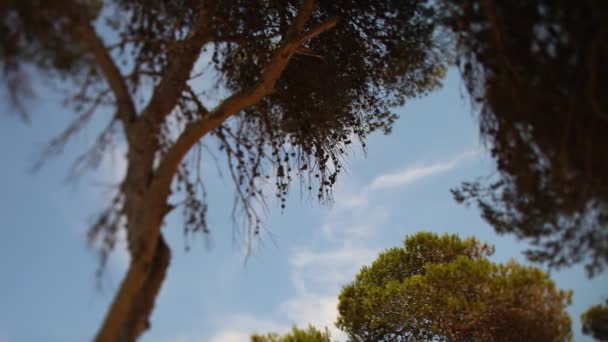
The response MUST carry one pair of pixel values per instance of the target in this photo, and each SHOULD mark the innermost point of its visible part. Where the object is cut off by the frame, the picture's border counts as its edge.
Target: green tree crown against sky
(444, 288)
(311, 334)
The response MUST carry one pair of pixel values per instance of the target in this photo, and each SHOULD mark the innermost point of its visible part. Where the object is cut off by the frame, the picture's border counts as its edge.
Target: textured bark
(135, 314)
(118, 326)
(145, 208)
(138, 319)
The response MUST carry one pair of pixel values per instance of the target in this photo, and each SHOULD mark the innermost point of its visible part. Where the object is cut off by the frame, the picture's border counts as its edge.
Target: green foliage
(443, 288)
(341, 86)
(389, 43)
(37, 31)
(311, 334)
(536, 71)
(595, 322)
(418, 251)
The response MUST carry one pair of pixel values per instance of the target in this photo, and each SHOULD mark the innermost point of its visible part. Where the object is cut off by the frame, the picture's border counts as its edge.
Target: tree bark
(145, 209)
(128, 316)
(138, 319)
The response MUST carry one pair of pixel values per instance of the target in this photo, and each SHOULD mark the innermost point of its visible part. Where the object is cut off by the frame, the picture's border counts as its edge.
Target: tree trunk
(138, 320)
(145, 209)
(129, 314)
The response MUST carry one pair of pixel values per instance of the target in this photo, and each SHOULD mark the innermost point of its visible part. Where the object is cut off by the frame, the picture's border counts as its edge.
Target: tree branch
(317, 30)
(301, 19)
(235, 103)
(85, 32)
(202, 110)
(184, 55)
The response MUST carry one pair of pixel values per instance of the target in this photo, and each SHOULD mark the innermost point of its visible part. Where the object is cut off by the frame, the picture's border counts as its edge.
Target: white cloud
(346, 201)
(319, 310)
(116, 165)
(231, 336)
(355, 225)
(353, 218)
(415, 173)
(314, 309)
(318, 275)
(326, 271)
(307, 258)
(120, 258)
(112, 172)
(317, 278)
(408, 175)
(238, 328)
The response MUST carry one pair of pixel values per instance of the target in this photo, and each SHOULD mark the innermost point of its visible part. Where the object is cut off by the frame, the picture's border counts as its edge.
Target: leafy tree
(311, 334)
(443, 288)
(535, 71)
(595, 322)
(303, 78)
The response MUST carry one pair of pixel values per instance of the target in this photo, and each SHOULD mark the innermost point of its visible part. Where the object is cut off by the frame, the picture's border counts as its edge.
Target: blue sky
(48, 290)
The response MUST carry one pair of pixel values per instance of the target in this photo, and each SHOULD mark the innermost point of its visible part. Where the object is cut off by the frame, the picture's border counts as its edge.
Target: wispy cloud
(413, 174)
(317, 277)
(113, 171)
(320, 272)
(354, 218)
(238, 328)
(318, 310)
(118, 261)
(355, 225)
